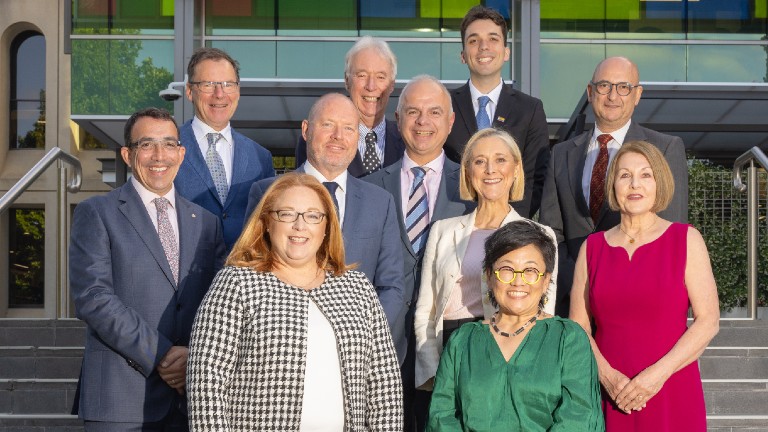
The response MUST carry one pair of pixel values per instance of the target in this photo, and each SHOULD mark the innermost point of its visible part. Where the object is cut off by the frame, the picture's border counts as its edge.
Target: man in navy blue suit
(367, 213)
(221, 164)
(369, 75)
(141, 258)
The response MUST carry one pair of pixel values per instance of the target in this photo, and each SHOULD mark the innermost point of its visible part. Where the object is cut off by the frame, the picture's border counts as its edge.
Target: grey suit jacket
(123, 289)
(370, 221)
(448, 205)
(520, 115)
(565, 209)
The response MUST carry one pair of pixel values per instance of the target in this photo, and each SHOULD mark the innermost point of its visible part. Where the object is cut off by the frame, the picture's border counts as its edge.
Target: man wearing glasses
(573, 203)
(221, 164)
(141, 258)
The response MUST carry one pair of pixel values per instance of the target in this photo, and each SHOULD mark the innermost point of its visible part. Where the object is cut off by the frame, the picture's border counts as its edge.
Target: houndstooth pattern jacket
(248, 354)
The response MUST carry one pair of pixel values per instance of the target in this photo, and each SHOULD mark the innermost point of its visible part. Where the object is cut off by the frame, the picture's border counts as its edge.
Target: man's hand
(173, 368)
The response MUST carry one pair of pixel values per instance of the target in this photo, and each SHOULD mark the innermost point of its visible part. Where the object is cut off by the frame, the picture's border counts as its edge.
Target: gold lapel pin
(501, 119)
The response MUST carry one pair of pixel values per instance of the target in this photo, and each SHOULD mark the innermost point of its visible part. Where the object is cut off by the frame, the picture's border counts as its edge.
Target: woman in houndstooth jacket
(288, 338)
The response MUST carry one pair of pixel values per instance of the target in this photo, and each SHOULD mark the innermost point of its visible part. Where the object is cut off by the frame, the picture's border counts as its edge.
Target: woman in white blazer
(453, 290)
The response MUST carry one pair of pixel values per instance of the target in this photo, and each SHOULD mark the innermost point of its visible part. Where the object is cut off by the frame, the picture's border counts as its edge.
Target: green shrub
(720, 213)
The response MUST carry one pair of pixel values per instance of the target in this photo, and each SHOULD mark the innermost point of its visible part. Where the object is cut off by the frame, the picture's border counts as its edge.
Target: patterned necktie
(483, 121)
(371, 162)
(332, 186)
(216, 166)
(417, 216)
(597, 184)
(167, 237)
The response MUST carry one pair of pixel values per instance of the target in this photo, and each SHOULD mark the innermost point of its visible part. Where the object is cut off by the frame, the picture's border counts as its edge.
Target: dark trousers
(175, 421)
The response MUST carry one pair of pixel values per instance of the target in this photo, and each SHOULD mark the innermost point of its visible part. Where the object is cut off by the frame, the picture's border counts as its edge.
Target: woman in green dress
(522, 370)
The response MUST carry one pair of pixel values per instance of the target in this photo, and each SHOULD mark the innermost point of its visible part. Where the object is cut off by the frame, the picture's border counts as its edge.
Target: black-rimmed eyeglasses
(310, 217)
(605, 87)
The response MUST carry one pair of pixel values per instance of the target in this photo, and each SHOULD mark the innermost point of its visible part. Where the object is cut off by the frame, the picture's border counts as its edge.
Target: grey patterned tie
(167, 237)
(216, 166)
(371, 162)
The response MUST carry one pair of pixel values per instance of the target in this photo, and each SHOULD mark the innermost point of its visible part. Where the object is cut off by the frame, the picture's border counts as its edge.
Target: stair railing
(749, 158)
(26, 181)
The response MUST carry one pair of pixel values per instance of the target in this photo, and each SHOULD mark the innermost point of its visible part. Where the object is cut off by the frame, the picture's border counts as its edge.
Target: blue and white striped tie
(417, 216)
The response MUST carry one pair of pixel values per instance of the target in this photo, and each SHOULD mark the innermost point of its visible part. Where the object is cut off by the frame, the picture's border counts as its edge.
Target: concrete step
(737, 397)
(37, 396)
(30, 332)
(40, 423)
(737, 423)
(734, 363)
(741, 333)
(44, 362)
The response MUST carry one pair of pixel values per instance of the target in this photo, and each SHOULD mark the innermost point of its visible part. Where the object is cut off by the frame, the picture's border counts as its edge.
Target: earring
(544, 299)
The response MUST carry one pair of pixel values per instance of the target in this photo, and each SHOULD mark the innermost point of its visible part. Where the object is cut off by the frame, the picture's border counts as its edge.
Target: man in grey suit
(367, 213)
(424, 117)
(569, 204)
(141, 258)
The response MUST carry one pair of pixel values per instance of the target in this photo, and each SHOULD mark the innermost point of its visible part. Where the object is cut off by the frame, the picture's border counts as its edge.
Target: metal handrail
(749, 157)
(54, 154)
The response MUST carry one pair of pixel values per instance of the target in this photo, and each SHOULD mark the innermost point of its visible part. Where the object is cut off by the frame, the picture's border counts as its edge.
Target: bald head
(622, 63)
(331, 134)
(612, 110)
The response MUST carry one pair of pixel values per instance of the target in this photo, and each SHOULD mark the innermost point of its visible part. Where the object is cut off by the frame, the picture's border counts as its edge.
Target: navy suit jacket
(448, 204)
(520, 115)
(393, 150)
(123, 288)
(565, 209)
(251, 162)
(369, 227)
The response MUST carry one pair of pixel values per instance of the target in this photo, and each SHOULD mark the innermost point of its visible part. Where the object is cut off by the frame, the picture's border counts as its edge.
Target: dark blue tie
(332, 186)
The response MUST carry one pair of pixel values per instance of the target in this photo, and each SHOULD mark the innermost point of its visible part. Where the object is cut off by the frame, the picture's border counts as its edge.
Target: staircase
(734, 371)
(39, 365)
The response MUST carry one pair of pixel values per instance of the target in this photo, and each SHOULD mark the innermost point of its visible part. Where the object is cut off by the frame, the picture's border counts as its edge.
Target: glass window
(26, 257)
(27, 102)
(325, 18)
(122, 17)
(120, 76)
(240, 17)
(727, 63)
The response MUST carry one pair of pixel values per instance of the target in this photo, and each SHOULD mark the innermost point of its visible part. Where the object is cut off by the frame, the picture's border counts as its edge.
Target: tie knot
(161, 204)
(370, 138)
(418, 172)
(482, 101)
(331, 186)
(213, 138)
(604, 139)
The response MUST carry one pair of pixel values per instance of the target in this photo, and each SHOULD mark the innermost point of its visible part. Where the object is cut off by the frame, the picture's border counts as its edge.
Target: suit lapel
(448, 190)
(391, 182)
(240, 164)
(461, 235)
(194, 157)
(465, 109)
(351, 210)
(576, 158)
(190, 226)
(393, 144)
(504, 110)
(355, 168)
(133, 210)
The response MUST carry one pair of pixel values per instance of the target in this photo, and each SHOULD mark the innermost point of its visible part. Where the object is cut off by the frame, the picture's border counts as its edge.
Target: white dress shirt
(224, 145)
(146, 198)
(493, 95)
(341, 191)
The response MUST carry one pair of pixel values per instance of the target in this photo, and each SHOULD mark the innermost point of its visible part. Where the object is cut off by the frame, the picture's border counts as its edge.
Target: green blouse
(549, 384)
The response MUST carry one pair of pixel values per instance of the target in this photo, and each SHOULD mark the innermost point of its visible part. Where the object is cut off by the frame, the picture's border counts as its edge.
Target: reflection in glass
(27, 101)
(119, 76)
(114, 16)
(26, 258)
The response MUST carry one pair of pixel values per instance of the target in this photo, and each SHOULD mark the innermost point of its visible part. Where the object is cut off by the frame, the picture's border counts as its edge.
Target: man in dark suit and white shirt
(485, 52)
(369, 75)
(424, 117)
(367, 213)
(221, 164)
(141, 258)
(569, 204)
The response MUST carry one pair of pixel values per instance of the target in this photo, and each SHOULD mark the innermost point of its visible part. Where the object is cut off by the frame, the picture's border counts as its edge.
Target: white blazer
(446, 246)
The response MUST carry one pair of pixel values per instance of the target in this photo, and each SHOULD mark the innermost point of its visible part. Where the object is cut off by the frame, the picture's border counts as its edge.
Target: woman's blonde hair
(466, 191)
(665, 182)
(254, 249)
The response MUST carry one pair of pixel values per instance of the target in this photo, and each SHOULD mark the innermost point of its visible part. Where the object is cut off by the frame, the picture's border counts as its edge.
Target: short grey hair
(376, 44)
(418, 79)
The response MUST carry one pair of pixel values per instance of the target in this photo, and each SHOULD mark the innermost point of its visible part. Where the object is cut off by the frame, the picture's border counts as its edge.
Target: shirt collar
(493, 94)
(618, 135)
(340, 180)
(435, 164)
(201, 130)
(147, 196)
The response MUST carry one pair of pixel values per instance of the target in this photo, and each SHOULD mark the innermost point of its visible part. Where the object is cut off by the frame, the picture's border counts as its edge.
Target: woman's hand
(613, 381)
(641, 389)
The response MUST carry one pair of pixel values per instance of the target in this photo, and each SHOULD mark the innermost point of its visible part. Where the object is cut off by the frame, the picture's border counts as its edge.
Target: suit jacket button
(223, 215)
(178, 307)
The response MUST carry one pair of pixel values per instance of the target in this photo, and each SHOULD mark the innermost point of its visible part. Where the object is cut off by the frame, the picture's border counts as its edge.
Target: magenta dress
(640, 310)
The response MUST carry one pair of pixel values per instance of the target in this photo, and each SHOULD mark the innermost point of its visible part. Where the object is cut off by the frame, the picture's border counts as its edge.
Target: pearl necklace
(516, 332)
(632, 239)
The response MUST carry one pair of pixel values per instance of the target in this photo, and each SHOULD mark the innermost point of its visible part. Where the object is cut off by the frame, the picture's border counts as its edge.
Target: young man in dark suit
(486, 101)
